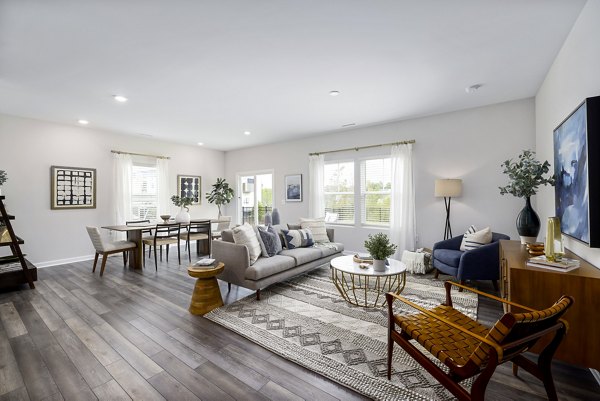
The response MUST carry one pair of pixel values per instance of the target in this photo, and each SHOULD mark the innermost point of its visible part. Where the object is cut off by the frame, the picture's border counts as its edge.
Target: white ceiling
(206, 71)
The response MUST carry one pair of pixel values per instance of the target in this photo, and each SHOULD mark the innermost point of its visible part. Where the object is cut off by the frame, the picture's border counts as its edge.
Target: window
(339, 192)
(144, 192)
(375, 191)
(256, 197)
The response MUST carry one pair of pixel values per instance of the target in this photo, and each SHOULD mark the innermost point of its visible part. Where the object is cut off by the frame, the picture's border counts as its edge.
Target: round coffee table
(367, 287)
(206, 295)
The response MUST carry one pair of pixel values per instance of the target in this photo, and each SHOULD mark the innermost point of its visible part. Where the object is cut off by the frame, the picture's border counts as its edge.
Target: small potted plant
(221, 194)
(183, 216)
(380, 248)
(3, 179)
(525, 176)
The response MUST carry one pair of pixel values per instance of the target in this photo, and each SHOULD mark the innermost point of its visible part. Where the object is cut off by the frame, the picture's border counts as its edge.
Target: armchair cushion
(449, 257)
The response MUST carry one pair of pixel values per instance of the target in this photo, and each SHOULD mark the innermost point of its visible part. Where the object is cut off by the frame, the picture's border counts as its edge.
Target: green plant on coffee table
(525, 174)
(379, 246)
(182, 201)
(3, 177)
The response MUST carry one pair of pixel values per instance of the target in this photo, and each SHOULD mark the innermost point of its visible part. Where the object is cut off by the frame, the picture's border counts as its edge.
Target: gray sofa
(267, 271)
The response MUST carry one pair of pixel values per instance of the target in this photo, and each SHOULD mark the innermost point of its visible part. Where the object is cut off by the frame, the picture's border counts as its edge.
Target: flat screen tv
(577, 169)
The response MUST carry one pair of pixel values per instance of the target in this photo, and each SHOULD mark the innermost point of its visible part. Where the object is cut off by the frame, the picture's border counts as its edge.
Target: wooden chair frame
(105, 256)
(165, 231)
(197, 227)
(497, 351)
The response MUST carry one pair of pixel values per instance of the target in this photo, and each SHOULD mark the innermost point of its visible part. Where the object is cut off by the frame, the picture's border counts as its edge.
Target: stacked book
(564, 265)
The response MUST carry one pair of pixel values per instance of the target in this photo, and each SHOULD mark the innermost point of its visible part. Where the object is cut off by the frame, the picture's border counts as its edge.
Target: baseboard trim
(63, 261)
(596, 375)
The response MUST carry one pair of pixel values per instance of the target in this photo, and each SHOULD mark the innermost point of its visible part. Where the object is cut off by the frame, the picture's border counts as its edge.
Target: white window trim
(363, 223)
(353, 161)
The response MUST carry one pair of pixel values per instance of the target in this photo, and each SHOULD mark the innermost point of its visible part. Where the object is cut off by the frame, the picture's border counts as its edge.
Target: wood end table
(207, 294)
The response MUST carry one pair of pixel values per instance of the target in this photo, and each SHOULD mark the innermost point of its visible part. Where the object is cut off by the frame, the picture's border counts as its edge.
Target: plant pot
(379, 265)
(528, 223)
(183, 216)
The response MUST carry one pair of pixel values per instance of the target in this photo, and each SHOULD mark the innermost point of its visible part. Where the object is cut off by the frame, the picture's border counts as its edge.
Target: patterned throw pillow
(297, 238)
(471, 230)
(270, 240)
(476, 240)
(245, 235)
(317, 228)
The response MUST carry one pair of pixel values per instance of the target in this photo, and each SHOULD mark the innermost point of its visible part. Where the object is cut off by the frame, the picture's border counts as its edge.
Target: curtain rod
(363, 147)
(138, 154)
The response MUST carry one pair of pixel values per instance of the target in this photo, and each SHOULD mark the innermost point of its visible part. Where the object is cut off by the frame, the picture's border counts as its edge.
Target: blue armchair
(478, 264)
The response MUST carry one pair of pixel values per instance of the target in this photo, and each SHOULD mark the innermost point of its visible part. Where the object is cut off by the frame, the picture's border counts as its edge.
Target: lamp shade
(448, 187)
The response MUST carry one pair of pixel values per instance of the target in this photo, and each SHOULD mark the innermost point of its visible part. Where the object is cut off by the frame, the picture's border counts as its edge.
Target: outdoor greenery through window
(375, 191)
(144, 192)
(339, 192)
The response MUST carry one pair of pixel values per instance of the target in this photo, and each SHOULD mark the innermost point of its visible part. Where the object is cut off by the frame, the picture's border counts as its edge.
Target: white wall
(469, 144)
(29, 147)
(573, 77)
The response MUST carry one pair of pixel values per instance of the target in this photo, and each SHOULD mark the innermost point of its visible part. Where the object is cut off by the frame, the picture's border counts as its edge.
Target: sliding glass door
(255, 197)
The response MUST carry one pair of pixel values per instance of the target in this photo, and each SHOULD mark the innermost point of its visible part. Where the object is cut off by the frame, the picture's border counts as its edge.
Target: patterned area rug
(306, 321)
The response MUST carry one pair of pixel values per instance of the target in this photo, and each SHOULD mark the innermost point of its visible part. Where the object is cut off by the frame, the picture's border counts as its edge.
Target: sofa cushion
(265, 267)
(330, 248)
(303, 255)
(450, 257)
(297, 238)
(270, 241)
(317, 228)
(227, 235)
(245, 235)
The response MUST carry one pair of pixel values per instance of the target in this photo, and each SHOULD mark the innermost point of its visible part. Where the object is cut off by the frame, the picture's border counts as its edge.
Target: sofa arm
(452, 243)
(330, 234)
(482, 263)
(236, 259)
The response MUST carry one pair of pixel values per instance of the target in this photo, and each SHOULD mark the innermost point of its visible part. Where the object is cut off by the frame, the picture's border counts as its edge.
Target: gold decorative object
(554, 246)
(535, 249)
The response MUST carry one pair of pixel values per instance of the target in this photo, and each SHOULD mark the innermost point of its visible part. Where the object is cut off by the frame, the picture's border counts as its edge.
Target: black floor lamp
(448, 188)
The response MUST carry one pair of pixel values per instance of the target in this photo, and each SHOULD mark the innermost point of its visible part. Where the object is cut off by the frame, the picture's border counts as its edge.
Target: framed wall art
(188, 186)
(293, 188)
(72, 188)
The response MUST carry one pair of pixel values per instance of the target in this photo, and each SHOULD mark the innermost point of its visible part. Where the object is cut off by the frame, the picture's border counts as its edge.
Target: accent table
(365, 287)
(207, 294)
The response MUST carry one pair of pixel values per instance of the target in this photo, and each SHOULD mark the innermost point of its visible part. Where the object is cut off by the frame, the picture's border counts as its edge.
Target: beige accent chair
(105, 247)
(223, 224)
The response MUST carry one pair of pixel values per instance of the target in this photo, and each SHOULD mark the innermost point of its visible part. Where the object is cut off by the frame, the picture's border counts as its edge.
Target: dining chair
(105, 247)
(197, 231)
(164, 234)
(223, 224)
(146, 233)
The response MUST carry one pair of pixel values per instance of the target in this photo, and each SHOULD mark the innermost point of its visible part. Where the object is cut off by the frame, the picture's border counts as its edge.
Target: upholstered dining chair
(164, 234)
(105, 247)
(197, 231)
(469, 349)
(223, 224)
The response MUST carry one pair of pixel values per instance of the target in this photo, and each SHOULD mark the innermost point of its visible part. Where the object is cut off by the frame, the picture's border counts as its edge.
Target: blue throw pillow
(270, 239)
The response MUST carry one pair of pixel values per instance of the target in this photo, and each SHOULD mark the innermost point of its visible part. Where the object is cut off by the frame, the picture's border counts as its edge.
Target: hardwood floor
(129, 335)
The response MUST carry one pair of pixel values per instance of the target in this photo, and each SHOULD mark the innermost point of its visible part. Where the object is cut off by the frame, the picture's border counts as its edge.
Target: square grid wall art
(72, 187)
(188, 186)
(293, 188)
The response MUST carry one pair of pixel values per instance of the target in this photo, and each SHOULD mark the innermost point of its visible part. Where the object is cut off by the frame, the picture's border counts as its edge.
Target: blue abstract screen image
(571, 169)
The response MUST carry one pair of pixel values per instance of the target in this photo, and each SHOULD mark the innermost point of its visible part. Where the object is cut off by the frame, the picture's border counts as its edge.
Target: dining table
(134, 234)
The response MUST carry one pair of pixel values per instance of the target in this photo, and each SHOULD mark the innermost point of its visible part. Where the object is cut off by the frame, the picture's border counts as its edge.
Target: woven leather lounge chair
(468, 348)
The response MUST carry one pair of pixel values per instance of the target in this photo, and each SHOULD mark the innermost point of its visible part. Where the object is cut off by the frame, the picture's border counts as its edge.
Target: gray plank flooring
(128, 335)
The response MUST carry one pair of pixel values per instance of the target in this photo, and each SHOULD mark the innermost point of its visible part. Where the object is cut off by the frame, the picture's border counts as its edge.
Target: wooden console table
(540, 288)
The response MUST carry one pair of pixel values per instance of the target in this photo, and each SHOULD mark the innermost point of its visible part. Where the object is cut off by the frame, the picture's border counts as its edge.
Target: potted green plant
(525, 175)
(221, 194)
(183, 216)
(3, 179)
(380, 248)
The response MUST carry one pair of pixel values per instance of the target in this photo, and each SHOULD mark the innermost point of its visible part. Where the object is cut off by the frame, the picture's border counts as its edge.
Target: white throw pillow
(477, 239)
(317, 228)
(245, 235)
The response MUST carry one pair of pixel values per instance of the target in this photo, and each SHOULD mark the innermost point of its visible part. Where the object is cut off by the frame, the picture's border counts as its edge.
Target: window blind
(144, 192)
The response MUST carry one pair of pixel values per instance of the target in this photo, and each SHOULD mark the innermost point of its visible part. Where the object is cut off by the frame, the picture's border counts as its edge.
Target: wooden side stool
(206, 295)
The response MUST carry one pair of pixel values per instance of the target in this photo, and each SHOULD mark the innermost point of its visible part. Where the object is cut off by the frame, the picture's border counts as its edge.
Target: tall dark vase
(528, 223)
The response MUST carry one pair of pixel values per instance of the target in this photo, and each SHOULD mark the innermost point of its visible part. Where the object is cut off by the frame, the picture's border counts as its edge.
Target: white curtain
(316, 197)
(122, 166)
(402, 219)
(164, 198)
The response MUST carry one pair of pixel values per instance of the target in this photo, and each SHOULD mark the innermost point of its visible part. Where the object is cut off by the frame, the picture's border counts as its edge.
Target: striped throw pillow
(477, 239)
(317, 228)
(245, 235)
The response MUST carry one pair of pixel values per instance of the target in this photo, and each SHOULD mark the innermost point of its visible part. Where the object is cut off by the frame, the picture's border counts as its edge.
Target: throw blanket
(415, 262)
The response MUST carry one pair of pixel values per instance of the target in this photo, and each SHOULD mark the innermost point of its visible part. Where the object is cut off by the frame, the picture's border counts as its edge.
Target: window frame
(362, 193)
(144, 164)
(353, 193)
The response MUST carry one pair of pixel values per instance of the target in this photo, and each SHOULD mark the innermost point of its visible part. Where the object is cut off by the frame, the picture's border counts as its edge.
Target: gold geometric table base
(206, 295)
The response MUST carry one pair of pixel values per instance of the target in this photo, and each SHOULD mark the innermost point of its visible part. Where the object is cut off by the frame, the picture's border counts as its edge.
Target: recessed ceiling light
(200, 143)
(247, 133)
(334, 93)
(120, 98)
(473, 88)
(83, 122)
